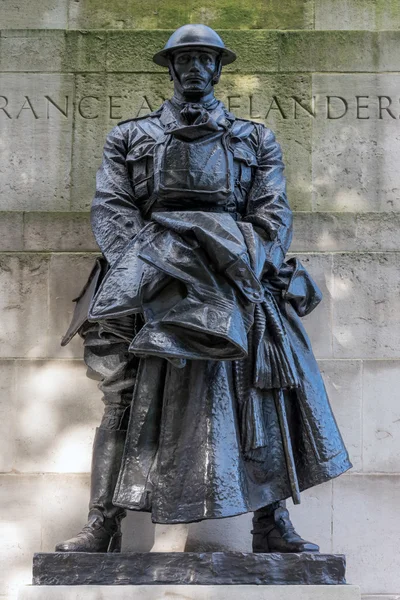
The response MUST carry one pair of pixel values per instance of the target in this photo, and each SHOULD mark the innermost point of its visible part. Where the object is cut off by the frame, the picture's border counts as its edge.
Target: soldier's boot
(102, 533)
(274, 532)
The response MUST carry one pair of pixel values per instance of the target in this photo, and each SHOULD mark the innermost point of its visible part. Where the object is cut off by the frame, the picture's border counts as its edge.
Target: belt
(213, 209)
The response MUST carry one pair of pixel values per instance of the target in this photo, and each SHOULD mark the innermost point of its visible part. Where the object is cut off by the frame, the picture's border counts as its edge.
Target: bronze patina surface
(191, 320)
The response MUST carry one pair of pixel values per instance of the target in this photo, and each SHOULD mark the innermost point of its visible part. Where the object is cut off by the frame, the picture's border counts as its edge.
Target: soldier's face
(195, 69)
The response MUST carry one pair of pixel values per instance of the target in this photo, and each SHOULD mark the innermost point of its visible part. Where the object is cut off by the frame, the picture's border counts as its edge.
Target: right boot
(102, 533)
(274, 531)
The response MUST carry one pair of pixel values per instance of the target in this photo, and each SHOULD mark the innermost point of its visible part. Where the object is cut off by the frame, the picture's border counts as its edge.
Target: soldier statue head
(194, 55)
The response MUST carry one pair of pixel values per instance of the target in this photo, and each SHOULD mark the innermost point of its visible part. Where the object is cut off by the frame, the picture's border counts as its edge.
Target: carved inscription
(114, 107)
(44, 109)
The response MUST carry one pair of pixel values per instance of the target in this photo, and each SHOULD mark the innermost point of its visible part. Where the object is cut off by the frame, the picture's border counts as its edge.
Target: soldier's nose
(194, 65)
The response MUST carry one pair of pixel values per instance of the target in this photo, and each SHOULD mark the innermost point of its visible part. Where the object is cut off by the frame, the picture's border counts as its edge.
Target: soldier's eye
(182, 58)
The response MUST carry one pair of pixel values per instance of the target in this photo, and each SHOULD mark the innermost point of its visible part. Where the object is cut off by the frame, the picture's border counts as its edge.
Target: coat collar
(168, 115)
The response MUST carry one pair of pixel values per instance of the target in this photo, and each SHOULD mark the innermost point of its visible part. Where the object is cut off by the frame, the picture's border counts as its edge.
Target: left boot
(102, 533)
(274, 532)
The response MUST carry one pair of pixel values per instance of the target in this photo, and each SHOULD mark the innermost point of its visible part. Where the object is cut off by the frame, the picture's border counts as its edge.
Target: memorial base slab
(188, 568)
(190, 592)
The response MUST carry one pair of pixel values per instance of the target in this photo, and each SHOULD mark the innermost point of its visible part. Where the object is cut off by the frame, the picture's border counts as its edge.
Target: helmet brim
(162, 58)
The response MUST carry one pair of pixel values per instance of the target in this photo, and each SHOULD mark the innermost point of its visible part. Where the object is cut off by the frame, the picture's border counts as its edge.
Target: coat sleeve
(115, 218)
(267, 206)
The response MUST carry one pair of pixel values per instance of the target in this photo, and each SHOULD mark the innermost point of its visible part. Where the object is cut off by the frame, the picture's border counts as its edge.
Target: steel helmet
(190, 36)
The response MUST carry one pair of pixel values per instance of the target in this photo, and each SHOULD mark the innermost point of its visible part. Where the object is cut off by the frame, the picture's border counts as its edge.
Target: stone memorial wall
(324, 75)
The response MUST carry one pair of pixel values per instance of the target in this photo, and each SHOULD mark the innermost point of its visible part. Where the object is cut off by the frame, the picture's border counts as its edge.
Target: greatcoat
(229, 411)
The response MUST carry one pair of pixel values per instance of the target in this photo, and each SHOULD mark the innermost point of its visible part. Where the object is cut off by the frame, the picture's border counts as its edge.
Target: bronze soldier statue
(214, 403)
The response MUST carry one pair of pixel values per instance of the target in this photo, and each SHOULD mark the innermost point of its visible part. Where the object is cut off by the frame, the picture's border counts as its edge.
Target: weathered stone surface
(381, 596)
(259, 51)
(269, 51)
(20, 529)
(35, 50)
(85, 51)
(40, 50)
(343, 381)
(219, 568)
(65, 508)
(366, 305)
(58, 232)
(8, 415)
(357, 14)
(324, 232)
(46, 14)
(37, 511)
(59, 394)
(378, 231)
(318, 324)
(185, 592)
(387, 43)
(369, 181)
(23, 305)
(35, 149)
(381, 418)
(68, 274)
(221, 535)
(366, 528)
(138, 532)
(170, 538)
(347, 232)
(227, 14)
(322, 51)
(11, 227)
